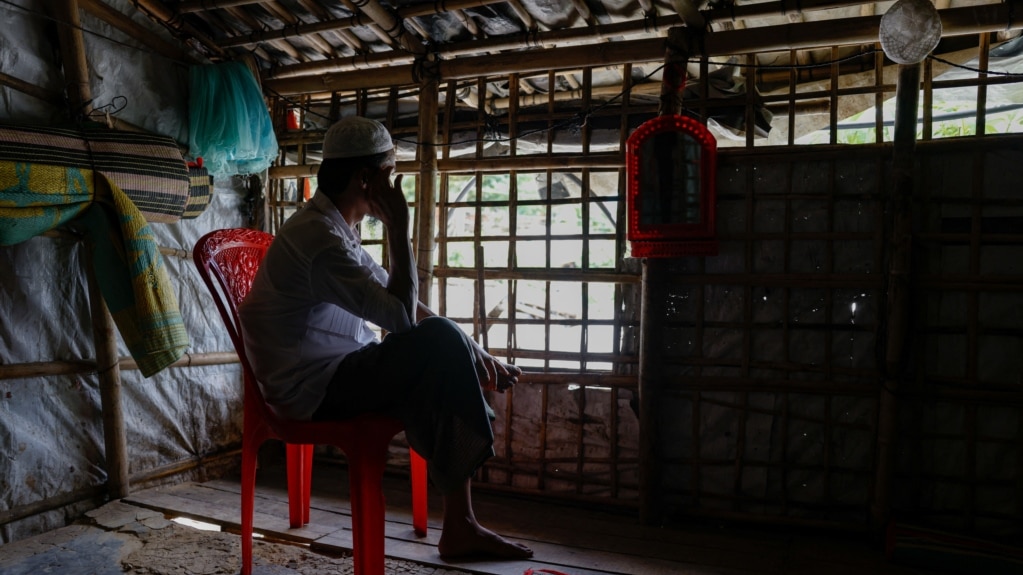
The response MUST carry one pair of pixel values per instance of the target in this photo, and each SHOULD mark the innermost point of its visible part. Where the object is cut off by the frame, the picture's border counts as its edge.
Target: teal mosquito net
(230, 127)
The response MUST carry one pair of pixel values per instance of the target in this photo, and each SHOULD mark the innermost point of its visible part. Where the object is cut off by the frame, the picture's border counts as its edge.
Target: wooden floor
(565, 539)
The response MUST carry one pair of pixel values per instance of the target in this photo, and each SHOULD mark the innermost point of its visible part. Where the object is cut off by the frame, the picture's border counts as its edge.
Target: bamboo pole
(94, 493)
(798, 36)
(76, 78)
(24, 87)
(190, 360)
(87, 366)
(898, 278)
(159, 11)
(469, 165)
(563, 37)
(653, 296)
(505, 42)
(97, 495)
(114, 433)
(426, 217)
(125, 24)
(300, 30)
(391, 25)
(72, 50)
(189, 6)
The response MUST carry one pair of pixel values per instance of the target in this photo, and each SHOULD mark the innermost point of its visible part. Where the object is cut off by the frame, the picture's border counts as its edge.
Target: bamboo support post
(76, 78)
(426, 220)
(900, 248)
(654, 292)
(114, 434)
(72, 50)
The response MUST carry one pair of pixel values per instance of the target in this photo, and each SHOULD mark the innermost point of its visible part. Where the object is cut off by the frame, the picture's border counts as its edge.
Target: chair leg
(419, 517)
(248, 503)
(299, 463)
(365, 475)
(307, 479)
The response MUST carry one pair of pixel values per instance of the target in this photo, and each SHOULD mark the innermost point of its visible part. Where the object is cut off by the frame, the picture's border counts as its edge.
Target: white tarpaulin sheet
(51, 434)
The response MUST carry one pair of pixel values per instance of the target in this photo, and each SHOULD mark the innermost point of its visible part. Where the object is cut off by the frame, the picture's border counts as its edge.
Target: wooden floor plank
(568, 539)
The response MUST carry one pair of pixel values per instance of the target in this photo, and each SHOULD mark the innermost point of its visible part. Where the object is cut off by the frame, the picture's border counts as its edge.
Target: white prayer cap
(356, 136)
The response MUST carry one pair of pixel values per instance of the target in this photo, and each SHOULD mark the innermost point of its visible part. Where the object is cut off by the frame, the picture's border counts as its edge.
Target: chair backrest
(227, 261)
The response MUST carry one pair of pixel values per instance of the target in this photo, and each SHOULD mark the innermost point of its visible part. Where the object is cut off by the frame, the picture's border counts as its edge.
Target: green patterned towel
(35, 198)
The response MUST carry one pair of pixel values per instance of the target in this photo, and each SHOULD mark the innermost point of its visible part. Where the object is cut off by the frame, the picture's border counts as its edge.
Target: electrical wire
(44, 15)
(575, 122)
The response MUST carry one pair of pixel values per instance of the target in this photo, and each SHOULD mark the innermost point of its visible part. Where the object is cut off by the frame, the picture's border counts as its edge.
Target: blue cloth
(229, 125)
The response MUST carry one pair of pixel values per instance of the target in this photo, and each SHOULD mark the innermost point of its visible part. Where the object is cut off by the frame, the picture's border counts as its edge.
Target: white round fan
(910, 29)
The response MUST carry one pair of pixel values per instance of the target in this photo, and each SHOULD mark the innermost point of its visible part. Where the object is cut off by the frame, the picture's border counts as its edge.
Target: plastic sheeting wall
(51, 437)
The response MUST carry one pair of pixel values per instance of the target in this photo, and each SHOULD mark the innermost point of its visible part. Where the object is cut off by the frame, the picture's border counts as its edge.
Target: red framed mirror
(671, 163)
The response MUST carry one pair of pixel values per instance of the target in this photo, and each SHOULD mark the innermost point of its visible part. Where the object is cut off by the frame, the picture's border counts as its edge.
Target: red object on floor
(227, 261)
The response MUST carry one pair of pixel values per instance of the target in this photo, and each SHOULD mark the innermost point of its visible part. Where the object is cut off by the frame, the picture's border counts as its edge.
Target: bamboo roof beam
(526, 17)
(345, 35)
(125, 24)
(336, 25)
(387, 31)
(495, 43)
(251, 22)
(159, 11)
(285, 15)
(206, 5)
(392, 26)
(431, 8)
(641, 26)
(584, 11)
(689, 13)
(465, 19)
(807, 35)
(418, 29)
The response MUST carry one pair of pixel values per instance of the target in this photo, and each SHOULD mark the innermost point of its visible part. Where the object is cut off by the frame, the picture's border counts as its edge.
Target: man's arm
(493, 373)
(391, 209)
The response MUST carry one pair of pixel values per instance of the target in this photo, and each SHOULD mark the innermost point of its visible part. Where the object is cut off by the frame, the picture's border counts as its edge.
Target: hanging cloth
(229, 125)
(35, 198)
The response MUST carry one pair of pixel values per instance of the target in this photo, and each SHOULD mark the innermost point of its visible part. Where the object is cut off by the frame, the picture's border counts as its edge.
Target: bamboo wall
(960, 466)
(774, 350)
(770, 374)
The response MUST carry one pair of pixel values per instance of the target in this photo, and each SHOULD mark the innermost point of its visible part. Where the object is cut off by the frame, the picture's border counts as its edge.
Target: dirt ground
(118, 539)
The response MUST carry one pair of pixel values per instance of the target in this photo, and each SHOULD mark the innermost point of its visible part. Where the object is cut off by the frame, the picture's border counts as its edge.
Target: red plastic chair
(227, 261)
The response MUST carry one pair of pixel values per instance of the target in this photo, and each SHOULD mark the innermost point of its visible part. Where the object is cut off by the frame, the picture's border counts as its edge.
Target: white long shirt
(308, 308)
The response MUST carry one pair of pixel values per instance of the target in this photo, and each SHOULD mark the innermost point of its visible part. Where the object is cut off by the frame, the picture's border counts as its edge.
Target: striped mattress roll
(200, 192)
(149, 168)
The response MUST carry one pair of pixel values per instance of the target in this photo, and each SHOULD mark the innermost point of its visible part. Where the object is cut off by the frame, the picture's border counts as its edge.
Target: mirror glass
(669, 179)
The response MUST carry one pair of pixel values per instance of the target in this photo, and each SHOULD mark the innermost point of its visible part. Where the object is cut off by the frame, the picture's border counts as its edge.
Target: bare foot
(476, 540)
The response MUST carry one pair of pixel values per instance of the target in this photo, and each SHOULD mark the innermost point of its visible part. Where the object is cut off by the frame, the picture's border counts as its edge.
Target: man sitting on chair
(306, 333)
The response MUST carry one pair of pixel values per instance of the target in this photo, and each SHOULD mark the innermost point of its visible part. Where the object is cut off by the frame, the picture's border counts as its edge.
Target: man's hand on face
(387, 202)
